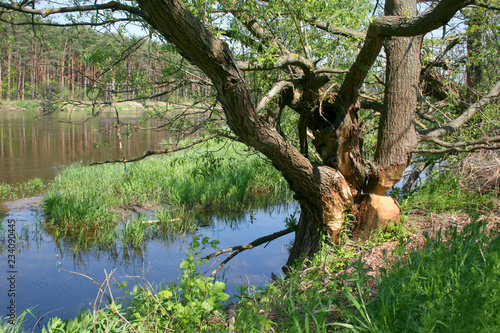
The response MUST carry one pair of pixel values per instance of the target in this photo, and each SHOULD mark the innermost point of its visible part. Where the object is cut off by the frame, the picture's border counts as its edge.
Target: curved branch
(240, 248)
(157, 152)
(278, 88)
(491, 97)
(334, 30)
(112, 5)
(385, 26)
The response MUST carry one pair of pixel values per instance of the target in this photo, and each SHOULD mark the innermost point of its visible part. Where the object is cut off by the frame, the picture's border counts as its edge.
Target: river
(53, 280)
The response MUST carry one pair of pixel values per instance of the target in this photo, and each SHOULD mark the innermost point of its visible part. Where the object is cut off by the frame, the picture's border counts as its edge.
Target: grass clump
(216, 175)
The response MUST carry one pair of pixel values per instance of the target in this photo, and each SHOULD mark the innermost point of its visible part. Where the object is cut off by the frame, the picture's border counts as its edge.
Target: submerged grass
(32, 187)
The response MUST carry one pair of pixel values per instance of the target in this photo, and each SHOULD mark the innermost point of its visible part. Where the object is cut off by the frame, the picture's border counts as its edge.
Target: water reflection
(44, 263)
(34, 146)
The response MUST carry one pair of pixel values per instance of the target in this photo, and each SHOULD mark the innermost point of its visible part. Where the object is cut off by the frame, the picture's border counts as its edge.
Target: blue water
(45, 285)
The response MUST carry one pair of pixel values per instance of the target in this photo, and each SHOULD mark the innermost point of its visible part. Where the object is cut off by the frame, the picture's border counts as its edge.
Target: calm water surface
(33, 147)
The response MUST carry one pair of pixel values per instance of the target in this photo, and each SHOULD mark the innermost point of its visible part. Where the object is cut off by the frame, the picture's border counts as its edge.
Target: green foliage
(394, 230)
(31, 187)
(450, 285)
(6, 326)
(442, 192)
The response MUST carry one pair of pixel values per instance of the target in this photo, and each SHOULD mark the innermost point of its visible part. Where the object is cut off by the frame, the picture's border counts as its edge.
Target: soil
(421, 224)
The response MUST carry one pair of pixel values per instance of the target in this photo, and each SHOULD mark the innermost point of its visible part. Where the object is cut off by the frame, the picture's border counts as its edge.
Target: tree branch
(491, 97)
(484, 5)
(278, 88)
(112, 5)
(334, 30)
(240, 248)
(291, 59)
(158, 151)
(455, 149)
(381, 27)
(451, 45)
(76, 24)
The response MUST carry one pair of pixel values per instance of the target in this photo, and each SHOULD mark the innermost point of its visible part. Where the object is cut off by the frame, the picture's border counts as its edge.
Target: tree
(283, 49)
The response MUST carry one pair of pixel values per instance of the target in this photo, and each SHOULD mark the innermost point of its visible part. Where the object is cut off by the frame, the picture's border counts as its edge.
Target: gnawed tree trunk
(397, 135)
(323, 212)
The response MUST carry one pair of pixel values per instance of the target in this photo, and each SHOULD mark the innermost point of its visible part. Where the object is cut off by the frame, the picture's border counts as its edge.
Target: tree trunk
(321, 214)
(1, 91)
(324, 192)
(397, 135)
(473, 69)
(9, 56)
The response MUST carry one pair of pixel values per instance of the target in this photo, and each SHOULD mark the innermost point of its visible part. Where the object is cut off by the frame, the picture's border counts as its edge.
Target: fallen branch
(240, 248)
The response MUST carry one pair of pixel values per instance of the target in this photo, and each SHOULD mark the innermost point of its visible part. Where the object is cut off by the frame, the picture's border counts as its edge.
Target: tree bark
(9, 56)
(473, 68)
(397, 135)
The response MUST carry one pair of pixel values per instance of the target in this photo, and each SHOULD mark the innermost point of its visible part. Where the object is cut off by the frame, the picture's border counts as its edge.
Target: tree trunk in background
(9, 56)
(1, 91)
(397, 135)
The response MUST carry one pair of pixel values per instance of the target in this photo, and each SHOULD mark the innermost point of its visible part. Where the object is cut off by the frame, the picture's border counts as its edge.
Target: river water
(53, 280)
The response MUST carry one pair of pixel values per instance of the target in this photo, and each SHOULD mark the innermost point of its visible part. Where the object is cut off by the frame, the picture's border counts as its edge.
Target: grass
(442, 192)
(81, 203)
(32, 187)
(450, 285)
(216, 175)
(30, 105)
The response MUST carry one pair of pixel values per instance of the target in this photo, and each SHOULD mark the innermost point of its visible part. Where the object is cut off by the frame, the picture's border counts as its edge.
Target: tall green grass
(215, 175)
(450, 285)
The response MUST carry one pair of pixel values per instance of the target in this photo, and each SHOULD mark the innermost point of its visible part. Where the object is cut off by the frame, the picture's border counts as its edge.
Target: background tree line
(47, 62)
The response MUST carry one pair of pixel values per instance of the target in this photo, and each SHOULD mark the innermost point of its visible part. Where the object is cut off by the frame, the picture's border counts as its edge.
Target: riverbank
(38, 105)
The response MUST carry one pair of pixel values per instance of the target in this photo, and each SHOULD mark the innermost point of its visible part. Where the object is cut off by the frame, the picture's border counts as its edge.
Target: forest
(55, 64)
